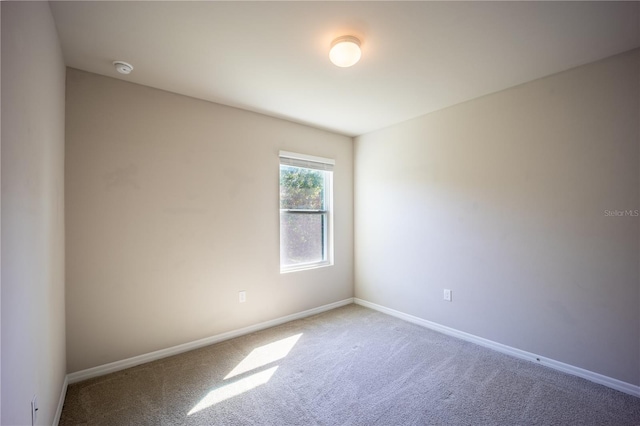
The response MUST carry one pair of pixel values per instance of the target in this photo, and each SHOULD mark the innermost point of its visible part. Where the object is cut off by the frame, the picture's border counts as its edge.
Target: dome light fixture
(345, 51)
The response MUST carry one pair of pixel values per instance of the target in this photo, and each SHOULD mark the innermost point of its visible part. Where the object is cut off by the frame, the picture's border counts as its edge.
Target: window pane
(301, 238)
(301, 188)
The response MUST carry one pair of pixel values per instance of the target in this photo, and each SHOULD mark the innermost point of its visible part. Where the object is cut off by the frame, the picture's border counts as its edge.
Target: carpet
(348, 366)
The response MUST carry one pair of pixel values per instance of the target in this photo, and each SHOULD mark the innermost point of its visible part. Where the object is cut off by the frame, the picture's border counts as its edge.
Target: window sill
(305, 267)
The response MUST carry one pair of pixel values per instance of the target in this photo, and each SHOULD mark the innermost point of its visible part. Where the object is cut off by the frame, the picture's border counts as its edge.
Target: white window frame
(315, 163)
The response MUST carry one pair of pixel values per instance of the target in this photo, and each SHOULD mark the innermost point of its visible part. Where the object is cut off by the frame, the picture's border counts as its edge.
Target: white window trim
(324, 164)
(309, 158)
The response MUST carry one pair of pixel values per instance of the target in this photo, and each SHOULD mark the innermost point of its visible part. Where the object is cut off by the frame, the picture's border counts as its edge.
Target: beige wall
(0, 223)
(172, 208)
(502, 199)
(33, 318)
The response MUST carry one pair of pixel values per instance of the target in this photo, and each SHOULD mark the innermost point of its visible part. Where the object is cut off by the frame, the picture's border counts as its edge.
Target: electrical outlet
(34, 410)
(242, 296)
(447, 295)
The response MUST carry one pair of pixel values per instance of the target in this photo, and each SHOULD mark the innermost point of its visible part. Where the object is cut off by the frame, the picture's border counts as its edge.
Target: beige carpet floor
(348, 366)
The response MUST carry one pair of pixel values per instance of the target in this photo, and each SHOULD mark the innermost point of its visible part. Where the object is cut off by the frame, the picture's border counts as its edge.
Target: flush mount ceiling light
(123, 67)
(345, 51)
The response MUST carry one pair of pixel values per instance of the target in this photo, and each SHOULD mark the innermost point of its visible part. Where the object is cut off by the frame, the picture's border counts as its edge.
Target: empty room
(320, 213)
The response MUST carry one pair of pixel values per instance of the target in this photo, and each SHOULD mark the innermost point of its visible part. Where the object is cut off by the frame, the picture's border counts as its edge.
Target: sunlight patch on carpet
(259, 357)
(233, 389)
(265, 355)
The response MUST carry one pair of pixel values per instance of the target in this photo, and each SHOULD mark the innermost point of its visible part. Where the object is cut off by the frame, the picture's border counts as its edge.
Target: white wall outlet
(34, 410)
(447, 295)
(242, 296)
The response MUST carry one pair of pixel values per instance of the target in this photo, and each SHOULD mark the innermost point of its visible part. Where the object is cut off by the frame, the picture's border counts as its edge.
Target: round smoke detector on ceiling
(123, 67)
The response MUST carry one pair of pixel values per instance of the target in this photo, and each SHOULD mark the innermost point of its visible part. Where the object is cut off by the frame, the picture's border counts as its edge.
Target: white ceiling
(272, 57)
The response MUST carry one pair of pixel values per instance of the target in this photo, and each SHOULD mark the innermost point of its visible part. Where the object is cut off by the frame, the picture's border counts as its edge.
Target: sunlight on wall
(259, 357)
(265, 355)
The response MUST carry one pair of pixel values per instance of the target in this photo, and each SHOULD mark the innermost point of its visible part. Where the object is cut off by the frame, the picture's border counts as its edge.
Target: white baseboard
(556, 365)
(63, 394)
(101, 370)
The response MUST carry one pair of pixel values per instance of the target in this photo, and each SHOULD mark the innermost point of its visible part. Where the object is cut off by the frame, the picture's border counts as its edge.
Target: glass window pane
(301, 238)
(301, 188)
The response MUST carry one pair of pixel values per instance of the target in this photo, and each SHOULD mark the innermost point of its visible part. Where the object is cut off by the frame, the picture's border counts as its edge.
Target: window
(305, 211)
